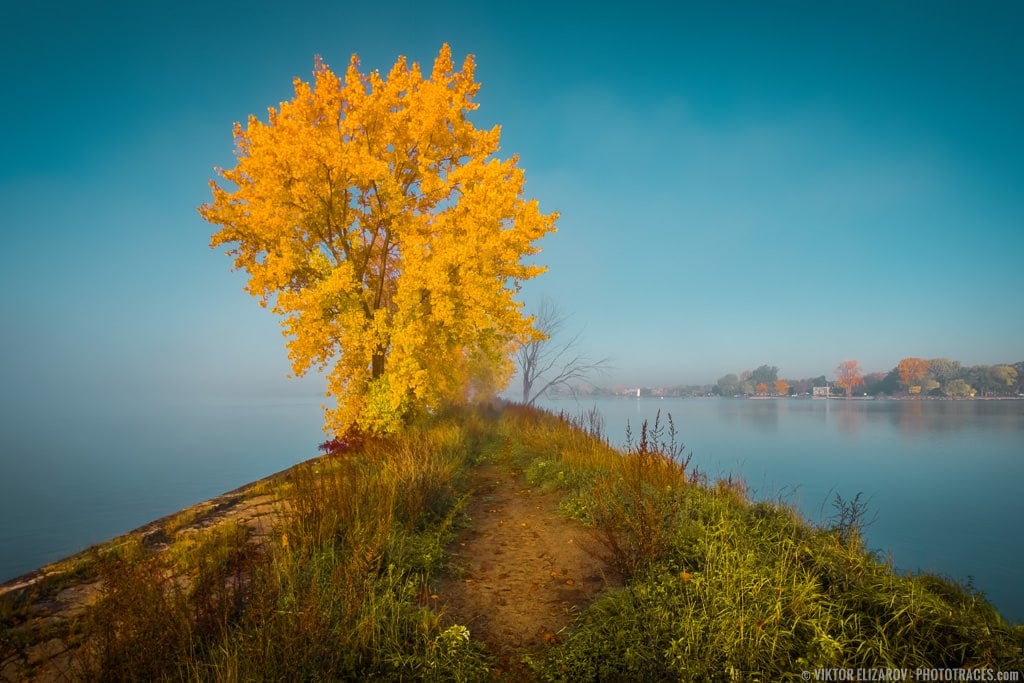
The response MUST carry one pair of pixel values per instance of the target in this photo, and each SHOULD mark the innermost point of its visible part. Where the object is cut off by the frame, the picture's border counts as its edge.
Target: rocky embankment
(39, 611)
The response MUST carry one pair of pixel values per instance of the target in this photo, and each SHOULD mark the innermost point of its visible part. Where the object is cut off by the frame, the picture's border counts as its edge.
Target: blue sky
(739, 183)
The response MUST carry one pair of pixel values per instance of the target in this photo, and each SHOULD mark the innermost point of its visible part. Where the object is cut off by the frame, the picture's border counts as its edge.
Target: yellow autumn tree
(375, 218)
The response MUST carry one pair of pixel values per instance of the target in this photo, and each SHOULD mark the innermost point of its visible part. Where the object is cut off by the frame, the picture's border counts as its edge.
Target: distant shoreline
(802, 397)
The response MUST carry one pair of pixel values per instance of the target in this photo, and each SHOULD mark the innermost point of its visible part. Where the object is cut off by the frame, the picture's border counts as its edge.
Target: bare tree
(547, 363)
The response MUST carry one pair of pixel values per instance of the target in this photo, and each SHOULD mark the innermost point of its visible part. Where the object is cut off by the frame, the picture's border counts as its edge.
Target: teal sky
(740, 183)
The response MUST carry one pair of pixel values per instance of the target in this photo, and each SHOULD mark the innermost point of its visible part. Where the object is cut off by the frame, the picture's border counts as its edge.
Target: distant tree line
(912, 376)
(915, 377)
(761, 381)
(945, 377)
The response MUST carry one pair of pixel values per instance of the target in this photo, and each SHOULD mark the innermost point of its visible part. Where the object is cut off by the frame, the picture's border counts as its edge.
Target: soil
(521, 570)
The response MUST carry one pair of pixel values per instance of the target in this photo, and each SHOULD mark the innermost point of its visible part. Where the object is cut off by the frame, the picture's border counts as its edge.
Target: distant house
(820, 392)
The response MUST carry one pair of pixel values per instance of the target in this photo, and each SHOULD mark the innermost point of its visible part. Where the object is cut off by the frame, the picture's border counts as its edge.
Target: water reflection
(916, 418)
(911, 419)
(762, 415)
(849, 418)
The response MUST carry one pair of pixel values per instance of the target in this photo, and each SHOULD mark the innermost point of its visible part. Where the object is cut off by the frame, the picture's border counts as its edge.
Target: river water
(80, 474)
(943, 480)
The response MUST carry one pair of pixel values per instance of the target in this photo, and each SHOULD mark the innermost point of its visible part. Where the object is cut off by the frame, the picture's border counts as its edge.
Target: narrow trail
(524, 569)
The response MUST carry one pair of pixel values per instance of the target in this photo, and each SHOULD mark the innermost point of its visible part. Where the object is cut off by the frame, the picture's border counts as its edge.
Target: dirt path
(524, 569)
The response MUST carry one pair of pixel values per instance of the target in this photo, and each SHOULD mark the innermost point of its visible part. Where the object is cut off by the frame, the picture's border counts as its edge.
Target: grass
(724, 588)
(719, 587)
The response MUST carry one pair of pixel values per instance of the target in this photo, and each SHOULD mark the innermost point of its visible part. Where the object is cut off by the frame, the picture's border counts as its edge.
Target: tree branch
(555, 365)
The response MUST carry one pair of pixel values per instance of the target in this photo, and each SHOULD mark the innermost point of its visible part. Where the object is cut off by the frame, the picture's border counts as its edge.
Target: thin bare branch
(546, 364)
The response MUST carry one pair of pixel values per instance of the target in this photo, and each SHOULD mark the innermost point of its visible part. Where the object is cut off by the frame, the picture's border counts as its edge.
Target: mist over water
(942, 479)
(80, 477)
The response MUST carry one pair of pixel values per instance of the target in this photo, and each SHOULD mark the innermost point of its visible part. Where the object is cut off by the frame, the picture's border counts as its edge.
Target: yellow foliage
(373, 217)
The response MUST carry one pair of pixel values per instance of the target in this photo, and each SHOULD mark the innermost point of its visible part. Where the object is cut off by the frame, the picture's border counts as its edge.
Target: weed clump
(636, 507)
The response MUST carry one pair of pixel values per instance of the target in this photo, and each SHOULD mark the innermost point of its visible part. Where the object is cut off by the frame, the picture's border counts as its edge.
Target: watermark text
(918, 674)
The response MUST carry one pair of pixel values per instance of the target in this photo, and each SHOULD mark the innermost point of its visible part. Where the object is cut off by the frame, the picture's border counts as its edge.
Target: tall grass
(335, 594)
(635, 507)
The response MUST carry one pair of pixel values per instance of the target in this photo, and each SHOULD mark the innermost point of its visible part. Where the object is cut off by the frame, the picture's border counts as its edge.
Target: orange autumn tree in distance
(848, 376)
(912, 370)
(375, 218)
(781, 387)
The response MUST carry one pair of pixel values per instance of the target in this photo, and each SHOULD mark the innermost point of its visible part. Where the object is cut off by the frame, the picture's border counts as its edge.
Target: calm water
(69, 481)
(944, 478)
